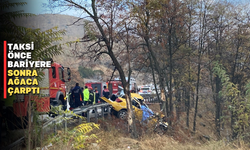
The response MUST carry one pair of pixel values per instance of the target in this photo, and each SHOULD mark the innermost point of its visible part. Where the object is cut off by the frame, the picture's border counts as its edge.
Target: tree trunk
(131, 117)
(187, 95)
(164, 101)
(158, 69)
(155, 85)
(178, 104)
(197, 98)
(110, 52)
(218, 106)
(170, 74)
(201, 46)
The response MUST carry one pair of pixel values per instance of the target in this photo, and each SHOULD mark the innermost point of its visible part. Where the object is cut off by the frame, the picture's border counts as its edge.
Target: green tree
(43, 41)
(237, 101)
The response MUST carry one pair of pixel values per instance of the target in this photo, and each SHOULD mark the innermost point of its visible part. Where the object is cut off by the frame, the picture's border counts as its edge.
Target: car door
(137, 109)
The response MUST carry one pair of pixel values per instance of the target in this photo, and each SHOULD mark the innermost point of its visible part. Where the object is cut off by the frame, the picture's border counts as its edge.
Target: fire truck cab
(52, 92)
(57, 87)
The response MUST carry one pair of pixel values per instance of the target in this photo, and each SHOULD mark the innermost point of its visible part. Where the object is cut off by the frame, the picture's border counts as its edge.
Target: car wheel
(122, 114)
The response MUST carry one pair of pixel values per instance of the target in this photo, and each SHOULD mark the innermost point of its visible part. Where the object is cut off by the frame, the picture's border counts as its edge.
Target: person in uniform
(91, 96)
(77, 94)
(105, 92)
(86, 96)
(97, 95)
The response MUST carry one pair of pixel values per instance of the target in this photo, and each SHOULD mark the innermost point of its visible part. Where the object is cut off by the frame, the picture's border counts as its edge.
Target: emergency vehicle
(97, 84)
(52, 92)
(113, 85)
(145, 89)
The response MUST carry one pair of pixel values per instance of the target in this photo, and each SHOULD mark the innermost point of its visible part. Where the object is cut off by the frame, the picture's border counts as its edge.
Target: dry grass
(114, 135)
(115, 140)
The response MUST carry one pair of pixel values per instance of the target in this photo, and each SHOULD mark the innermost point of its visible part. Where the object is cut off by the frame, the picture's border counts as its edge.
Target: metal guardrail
(14, 144)
(58, 119)
(79, 111)
(149, 98)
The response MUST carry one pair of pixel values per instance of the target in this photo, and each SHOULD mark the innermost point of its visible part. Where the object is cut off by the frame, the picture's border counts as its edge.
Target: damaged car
(119, 105)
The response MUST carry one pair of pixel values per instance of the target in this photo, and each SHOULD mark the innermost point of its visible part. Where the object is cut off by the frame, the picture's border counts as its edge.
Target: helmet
(90, 88)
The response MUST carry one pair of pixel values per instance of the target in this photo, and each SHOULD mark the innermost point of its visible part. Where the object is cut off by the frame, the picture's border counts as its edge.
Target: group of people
(87, 96)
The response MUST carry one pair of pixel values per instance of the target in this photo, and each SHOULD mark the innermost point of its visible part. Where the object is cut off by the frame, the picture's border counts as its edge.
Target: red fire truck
(113, 85)
(94, 84)
(52, 91)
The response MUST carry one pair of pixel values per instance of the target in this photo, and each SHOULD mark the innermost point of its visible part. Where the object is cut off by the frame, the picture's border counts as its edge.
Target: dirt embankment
(113, 135)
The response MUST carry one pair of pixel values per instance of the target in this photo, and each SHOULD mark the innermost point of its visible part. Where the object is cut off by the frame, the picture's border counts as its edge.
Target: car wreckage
(119, 108)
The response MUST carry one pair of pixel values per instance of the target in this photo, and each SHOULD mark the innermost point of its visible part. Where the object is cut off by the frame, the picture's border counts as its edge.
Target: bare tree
(108, 17)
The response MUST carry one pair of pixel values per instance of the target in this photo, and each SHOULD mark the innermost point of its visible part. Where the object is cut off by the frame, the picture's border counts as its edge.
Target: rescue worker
(146, 113)
(70, 99)
(105, 92)
(97, 95)
(86, 96)
(77, 94)
(91, 96)
(81, 99)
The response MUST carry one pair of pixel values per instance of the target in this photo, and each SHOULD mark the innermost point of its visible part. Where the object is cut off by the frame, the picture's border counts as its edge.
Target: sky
(36, 7)
(32, 6)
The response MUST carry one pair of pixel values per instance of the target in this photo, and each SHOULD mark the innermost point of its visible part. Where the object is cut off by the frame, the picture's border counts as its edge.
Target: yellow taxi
(119, 105)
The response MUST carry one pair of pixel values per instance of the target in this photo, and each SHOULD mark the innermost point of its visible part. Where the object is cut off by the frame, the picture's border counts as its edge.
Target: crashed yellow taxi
(119, 105)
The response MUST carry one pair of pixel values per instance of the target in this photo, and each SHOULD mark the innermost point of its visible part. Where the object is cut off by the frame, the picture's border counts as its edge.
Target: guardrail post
(109, 116)
(103, 108)
(80, 120)
(65, 123)
(42, 135)
(88, 116)
(55, 128)
(96, 115)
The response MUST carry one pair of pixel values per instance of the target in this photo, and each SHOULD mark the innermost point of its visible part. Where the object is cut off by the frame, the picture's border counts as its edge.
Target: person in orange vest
(105, 92)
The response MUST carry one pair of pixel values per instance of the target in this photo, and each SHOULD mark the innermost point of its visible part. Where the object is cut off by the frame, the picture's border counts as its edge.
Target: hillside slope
(70, 58)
